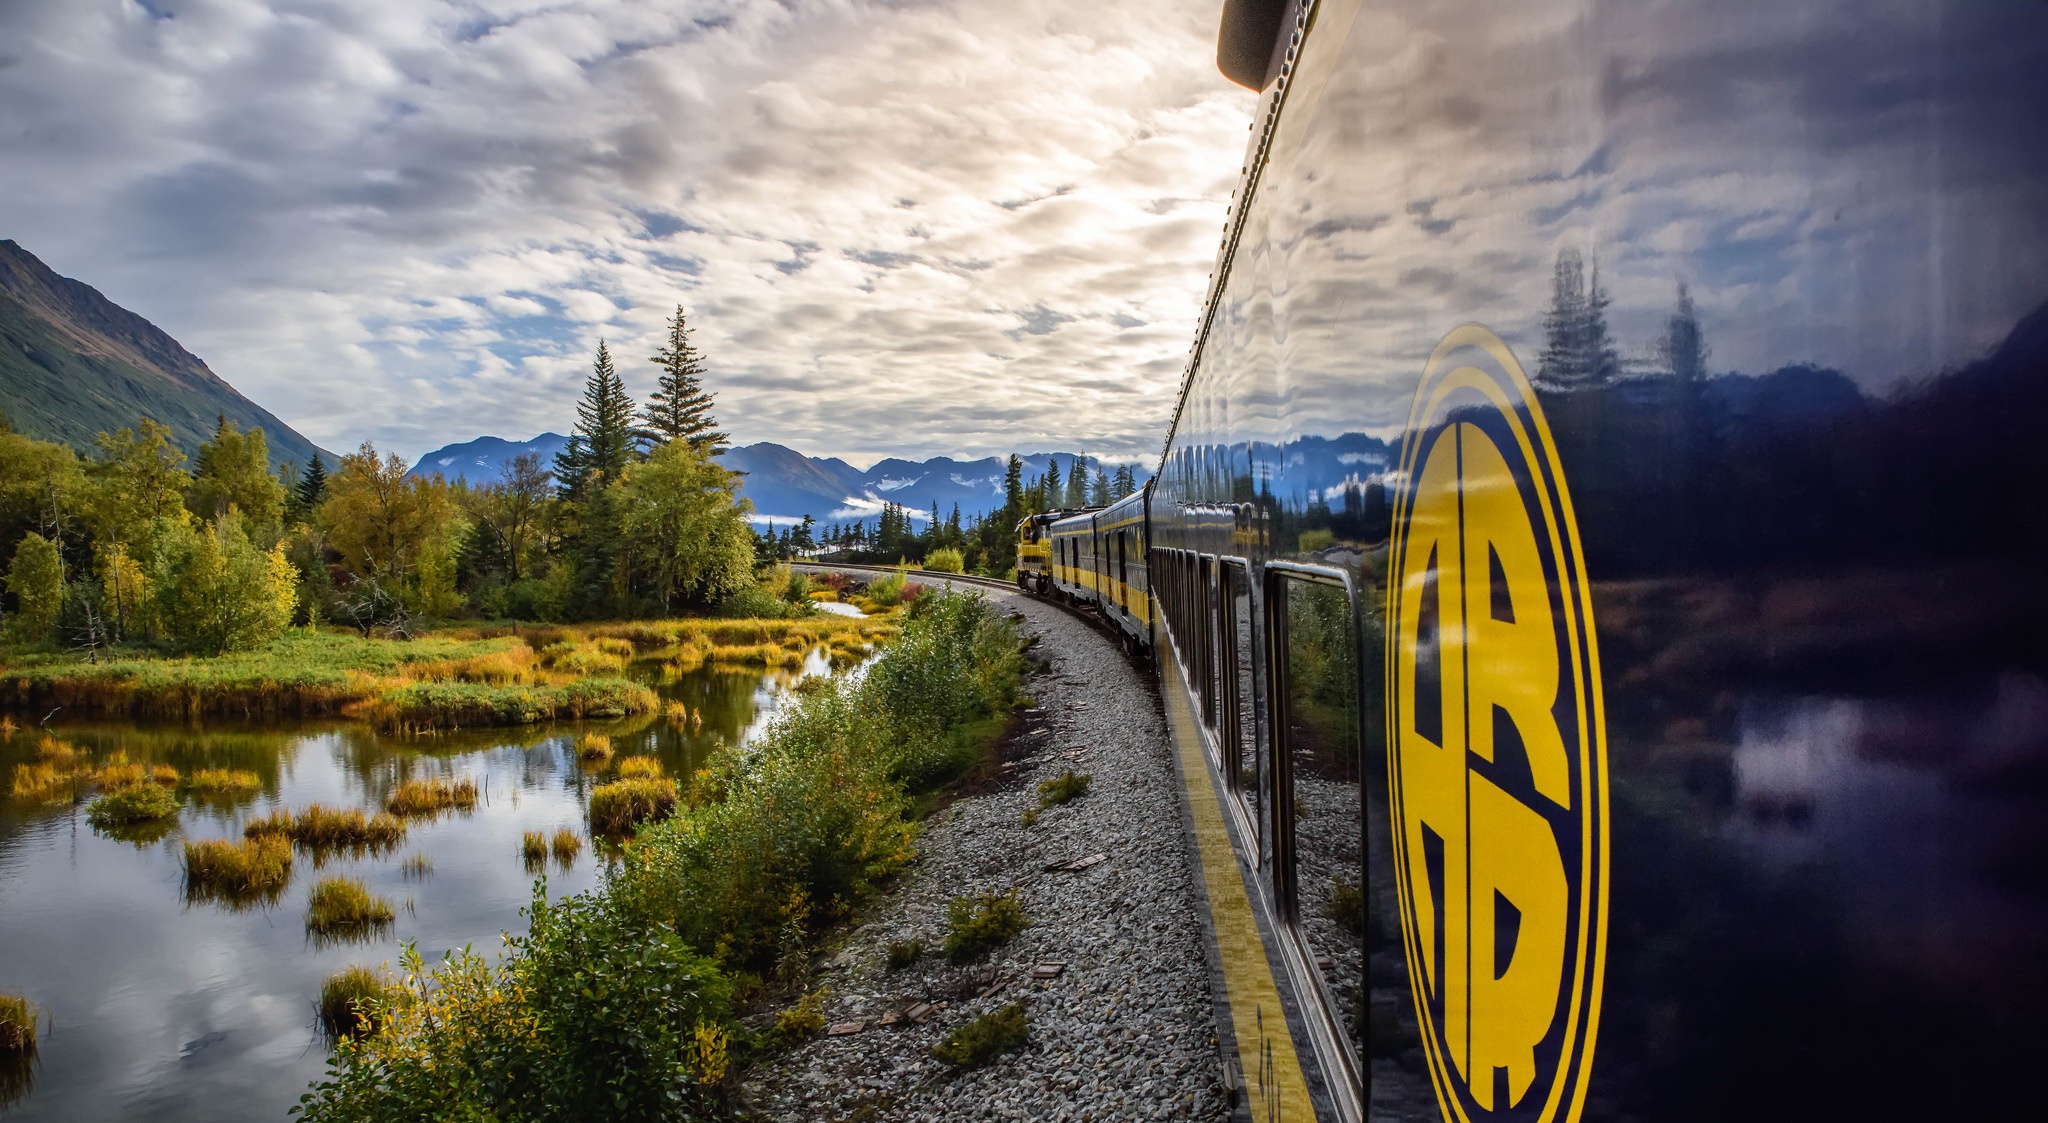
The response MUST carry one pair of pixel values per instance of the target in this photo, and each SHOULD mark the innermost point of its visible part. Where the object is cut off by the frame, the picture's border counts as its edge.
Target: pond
(169, 1010)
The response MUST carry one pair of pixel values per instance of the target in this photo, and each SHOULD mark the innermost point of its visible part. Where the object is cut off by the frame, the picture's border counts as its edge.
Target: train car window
(1123, 569)
(1205, 641)
(1319, 767)
(1241, 763)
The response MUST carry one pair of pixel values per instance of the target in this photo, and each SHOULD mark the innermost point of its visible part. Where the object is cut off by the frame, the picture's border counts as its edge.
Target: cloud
(410, 221)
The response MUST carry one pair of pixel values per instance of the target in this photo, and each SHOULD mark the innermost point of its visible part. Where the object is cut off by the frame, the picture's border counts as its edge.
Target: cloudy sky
(899, 227)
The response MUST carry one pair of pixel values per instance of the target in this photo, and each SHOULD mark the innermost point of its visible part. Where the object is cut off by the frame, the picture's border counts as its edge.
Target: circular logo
(1498, 745)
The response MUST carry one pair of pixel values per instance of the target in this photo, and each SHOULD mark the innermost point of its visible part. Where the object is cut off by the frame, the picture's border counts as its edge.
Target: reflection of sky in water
(175, 1012)
(1897, 810)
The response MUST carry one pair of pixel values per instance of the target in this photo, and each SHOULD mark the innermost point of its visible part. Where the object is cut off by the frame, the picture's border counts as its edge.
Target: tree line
(137, 544)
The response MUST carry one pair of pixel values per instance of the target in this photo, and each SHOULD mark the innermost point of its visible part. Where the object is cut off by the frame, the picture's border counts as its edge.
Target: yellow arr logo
(1498, 768)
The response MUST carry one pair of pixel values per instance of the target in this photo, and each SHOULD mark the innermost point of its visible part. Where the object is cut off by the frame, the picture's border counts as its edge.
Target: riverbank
(460, 677)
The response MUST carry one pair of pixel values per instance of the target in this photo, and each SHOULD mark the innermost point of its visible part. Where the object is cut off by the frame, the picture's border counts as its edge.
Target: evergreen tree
(1577, 351)
(1013, 489)
(1098, 491)
(604, 419)
(1077, 483)
(680, 407)
(1684, 348)
(1055, 492)
(1123, 483)
(572, 468)
(313, 483)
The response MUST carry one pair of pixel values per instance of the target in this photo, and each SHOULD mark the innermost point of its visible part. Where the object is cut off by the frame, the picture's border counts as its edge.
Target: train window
(1205, 638)
(1240, 689)
(1123, 569)
(1318, 762)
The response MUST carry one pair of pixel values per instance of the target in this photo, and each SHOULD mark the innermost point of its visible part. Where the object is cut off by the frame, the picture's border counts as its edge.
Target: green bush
(36, 578)
(976, 924)
(979, 1041)
(139, 803)
(1061, 788)
(946, 560)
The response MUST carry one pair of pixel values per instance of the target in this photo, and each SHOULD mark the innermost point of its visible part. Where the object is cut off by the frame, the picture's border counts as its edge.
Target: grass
(594, 749)
(986, 1037)
(1061, 788)
(358, 1002)
(340, 907)
(321, 829)
(903, 953)
(45, 783)
(639, 768)
(431, 796)
(17, 1026)
(140, 803)
(417, 867)
(567, 844)
(533, 847)
(222, 784)
(618, 807)
(976, 924)
(254, 870)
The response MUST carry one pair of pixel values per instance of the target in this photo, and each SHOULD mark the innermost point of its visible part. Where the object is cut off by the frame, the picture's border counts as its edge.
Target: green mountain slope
(74, 364)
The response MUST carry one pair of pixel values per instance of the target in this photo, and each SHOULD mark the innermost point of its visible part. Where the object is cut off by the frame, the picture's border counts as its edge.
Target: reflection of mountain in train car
(1775, 279)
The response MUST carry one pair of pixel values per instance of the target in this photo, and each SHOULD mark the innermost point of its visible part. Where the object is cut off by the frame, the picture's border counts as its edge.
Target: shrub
(18, 1018)
(253, 870)
(986, 1037)
(618, 807)
(903, 953)
(976, 924)
(594, 748)
(140, 803)
(805, 1019)
(431, 796)
(341, 906)
(1061, 788)
(358, 1002)
(591, 1015)
(947, 560)
(888, 591)
(639, 768)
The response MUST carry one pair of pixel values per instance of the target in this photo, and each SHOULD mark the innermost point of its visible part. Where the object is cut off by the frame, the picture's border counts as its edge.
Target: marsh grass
(129, 806)
(594, 749)
(358, 1002)
(417, 867)
(566, 844)
(533, 847)
(620, 806)
(340, 908)
(18, 1017)
(46, 783)
(238, 874)
(222, 785)
(986, 1037)
(976, 924)
(322, 830)
(639, 768)
(431, 796)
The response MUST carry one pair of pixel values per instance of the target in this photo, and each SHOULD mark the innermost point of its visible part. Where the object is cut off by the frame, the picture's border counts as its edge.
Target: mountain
(483, 460)
(74, 364)
(785, 485)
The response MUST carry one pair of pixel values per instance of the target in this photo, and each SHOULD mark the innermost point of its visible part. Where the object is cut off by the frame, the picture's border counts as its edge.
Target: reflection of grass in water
(358, 1002)
(418, 867)
(431, 796)
(18, 1018)
(341, 909)
(17, 1078)
(242, 874)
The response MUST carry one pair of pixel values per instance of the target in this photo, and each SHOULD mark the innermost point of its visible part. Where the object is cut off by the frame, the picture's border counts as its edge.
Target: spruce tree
(604, 419)
(1077, 482)
(1013, 489)
(1055, 491)
(1098, 492)
(313, 483)
(680, 407)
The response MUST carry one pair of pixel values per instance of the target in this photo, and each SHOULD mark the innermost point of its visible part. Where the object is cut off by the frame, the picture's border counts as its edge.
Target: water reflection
(170, 1008)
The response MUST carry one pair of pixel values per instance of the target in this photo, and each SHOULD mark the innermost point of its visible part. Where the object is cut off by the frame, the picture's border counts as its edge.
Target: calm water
(169, 1011)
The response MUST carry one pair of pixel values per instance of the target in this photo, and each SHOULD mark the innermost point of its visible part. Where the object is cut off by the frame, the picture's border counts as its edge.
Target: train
(1597, 572)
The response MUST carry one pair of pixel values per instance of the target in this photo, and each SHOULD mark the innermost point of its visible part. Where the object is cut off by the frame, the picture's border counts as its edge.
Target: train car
(1099, 558)
(1602, 550)
(1034, 552)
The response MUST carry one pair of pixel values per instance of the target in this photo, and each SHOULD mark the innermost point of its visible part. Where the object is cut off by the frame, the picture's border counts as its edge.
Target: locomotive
(1595, 573)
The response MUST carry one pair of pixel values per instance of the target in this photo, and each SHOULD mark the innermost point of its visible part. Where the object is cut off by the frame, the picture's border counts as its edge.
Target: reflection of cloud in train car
(1450, 182)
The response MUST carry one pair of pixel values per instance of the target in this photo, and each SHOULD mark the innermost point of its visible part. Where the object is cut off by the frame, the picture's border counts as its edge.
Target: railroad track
(1093, 619)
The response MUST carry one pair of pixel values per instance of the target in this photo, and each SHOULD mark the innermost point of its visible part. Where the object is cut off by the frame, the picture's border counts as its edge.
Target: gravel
(1127, 1030)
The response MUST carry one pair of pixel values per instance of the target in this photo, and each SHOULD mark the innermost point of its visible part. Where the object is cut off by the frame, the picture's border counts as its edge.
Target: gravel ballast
(1124, 1027)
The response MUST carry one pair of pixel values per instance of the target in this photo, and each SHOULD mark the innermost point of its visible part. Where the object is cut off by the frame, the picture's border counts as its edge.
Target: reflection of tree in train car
(1323, 742)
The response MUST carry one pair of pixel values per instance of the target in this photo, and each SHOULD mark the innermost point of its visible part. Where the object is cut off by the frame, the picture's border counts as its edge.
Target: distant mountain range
(785, 485)
(74, 364)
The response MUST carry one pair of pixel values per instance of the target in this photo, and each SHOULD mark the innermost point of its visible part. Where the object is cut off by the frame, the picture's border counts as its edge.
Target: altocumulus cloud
(956, 226)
